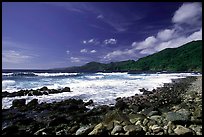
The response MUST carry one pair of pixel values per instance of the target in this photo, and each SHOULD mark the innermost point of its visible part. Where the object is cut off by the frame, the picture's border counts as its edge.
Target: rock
(84, 130)
(155, 128)
(135, 108)
(133, 130)
(198, 112)
(73, 129)
(120, 104)
(135, 117)
(180, 130)
(89, 102)
(153, 113)
(184, 112)
(58, 120)
(110, 126)
(145, 121)
(99, 130)
(33, 103)
(116, 115)
(36, 93)
(44, 88)
(116, 129)
(10, 130)
(177, 117)
(18, 103)
(66, 89)
(197, 129)
(157, 118)
(39, 132)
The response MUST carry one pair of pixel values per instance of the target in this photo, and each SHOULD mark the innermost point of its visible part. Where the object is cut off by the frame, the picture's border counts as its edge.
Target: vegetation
(184, 58)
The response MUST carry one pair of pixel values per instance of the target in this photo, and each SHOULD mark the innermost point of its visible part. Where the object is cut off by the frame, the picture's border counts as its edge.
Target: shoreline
(133, 115)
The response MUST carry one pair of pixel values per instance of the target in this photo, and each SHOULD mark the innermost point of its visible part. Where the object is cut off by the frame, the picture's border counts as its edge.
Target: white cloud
(100, 16)
(83, 51)
(147, 43)
(11, 56)
(120, 55)
(93, 51)
(91, 41)
(147, 51)
(166, 34)
(176, 42)
(67, 51)
(188, 13)
(75, 59)
(110, 41)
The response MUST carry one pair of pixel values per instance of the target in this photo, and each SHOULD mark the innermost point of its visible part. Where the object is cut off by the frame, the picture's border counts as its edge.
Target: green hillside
(184, 58)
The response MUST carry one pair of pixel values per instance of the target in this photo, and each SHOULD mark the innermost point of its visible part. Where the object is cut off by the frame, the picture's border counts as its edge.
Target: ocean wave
(7, 83)
(39, 74)
(19, 74)
(56, 74)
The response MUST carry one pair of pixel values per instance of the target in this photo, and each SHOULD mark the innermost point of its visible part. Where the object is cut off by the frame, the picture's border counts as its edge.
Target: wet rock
(117, 129)
(18, 103)
(84, 130)
(32, 104)
(180, 130)
(36, 93)
(44, 88)
(89, 102)
(120, 104)
(66, 89)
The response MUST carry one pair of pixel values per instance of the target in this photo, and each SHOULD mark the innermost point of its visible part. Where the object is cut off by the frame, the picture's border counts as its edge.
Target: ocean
(102, 88)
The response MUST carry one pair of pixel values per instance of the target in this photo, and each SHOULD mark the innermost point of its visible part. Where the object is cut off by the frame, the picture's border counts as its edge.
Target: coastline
(164, 111)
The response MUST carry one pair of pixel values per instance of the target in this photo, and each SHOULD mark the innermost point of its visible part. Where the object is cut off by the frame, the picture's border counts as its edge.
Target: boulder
(89, 102)
(177, 117)
(133, 130)
(66, 89)
(120, 104)
(180, 130)
(116, 129)
(33, 103)
(84, 130)
(99, 130)
(43, 88)
(18, 103)
(155, 128)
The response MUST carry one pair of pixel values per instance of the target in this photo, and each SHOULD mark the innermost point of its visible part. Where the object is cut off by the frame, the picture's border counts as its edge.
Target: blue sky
(42, 35)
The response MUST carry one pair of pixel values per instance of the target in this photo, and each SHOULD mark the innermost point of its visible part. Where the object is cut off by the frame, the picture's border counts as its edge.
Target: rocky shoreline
(174, 109)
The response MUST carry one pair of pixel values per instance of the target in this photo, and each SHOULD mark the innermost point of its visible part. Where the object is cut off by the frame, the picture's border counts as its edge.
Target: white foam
(6, 84)
(101, 88)
(55, 74)
(7, 74)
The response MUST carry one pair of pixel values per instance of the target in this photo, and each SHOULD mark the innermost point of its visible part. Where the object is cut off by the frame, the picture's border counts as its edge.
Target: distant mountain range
(187, 57)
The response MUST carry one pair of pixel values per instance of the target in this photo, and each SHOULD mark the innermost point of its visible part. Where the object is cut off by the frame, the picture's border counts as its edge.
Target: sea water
(102, 88)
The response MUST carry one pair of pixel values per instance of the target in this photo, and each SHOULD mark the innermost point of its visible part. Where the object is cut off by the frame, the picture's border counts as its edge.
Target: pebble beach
(174, 109)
